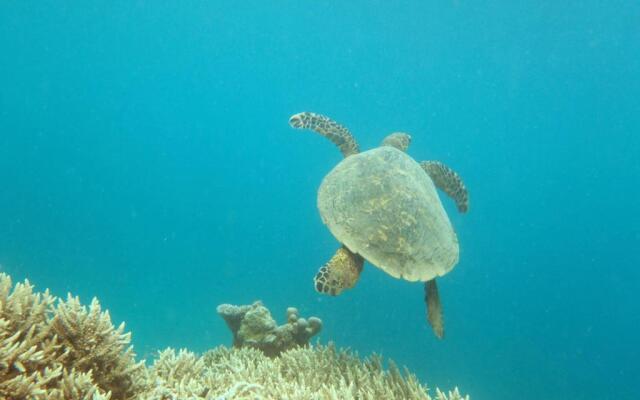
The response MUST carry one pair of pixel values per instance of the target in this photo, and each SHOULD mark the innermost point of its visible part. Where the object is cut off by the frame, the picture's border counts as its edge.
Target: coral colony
(253, 326)
(56, 349)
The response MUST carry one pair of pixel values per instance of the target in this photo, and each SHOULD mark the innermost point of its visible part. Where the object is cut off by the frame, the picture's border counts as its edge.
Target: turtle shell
(382, 205)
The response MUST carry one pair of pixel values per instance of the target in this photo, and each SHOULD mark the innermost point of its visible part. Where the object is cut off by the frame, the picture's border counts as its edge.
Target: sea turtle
(382, 206)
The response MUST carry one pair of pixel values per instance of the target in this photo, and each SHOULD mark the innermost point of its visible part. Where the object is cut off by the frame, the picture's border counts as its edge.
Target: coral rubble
(54, 349)
(253, 326)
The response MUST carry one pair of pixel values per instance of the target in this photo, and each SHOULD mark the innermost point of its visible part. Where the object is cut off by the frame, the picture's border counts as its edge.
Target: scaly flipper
(328, 128)
(448, 181)
(399, 140)
(340, 273)
(434, 308)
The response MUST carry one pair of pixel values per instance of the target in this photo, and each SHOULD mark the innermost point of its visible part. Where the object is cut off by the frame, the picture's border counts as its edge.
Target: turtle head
(399, 140)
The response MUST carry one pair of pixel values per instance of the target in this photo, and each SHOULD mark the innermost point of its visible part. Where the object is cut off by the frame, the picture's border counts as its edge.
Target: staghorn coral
(176, 376)
(453, 395)
(253, 326)
(30, 357)
(309, 373)
(77, 386)
(61, 350)
(94, 345)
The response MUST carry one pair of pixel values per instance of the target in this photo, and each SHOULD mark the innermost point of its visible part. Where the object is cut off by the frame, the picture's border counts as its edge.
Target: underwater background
(146, 159)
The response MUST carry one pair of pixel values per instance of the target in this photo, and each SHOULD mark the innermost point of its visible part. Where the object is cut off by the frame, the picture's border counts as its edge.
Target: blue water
(146, 159)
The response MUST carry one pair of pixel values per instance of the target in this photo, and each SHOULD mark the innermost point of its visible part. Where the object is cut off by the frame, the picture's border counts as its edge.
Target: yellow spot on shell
(383, 235)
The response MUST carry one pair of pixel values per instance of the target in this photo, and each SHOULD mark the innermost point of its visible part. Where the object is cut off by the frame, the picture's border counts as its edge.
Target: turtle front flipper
(340, 273)
(434, 308)
(338, 134)
(448, 181)
(399, 140)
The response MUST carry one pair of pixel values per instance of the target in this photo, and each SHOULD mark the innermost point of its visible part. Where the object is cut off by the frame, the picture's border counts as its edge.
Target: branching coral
(453, 395)
(177, 376)
(78, 386)
(30, 357)
(310, 373)
(253, 326)
(61, 350)
(94, 345)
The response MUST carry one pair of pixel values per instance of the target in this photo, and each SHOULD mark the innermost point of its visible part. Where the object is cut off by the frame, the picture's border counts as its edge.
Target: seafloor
(55, 349)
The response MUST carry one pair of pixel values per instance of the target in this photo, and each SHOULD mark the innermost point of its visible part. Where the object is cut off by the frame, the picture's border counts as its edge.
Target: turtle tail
(434, 308)
(338, 134)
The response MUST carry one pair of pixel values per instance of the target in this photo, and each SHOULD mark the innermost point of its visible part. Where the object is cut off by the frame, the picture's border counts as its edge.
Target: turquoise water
(146, 159)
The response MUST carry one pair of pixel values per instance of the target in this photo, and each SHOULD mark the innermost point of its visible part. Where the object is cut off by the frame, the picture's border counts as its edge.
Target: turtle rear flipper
(325, 126)
(399, 140)
(340, 273)
(434, 308)
(449, 182)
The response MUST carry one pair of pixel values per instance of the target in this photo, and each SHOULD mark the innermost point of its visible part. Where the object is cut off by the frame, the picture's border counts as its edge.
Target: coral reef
(54, 349)
(305, 373)
(253, 326)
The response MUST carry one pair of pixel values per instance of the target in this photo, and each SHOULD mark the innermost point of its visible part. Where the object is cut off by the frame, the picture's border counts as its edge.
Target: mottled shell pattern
(382, 205)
